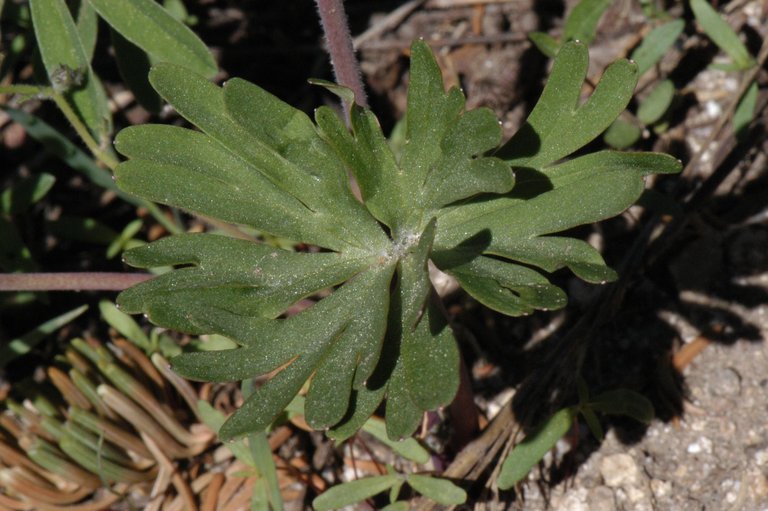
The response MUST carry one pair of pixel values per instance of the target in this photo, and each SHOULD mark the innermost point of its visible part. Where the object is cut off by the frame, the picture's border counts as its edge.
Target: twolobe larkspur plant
(487, 215)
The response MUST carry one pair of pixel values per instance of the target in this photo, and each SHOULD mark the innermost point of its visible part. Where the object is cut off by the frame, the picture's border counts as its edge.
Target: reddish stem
(81, 281)
(339, 41)
(464, 412)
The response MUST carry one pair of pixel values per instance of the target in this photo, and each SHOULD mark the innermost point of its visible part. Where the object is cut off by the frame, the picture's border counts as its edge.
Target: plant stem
(26, 90)
(345, 66)
(80, 281)
(85, 135)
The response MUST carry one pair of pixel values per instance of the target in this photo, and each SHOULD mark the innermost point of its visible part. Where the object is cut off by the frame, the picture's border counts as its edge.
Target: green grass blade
(22, 345)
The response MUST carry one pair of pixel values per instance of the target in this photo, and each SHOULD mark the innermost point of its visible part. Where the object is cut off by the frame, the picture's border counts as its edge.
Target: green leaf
(345, 94)
(237, 276)
(559, 125)
(354, 491)
(622, 134)
(745, 111)
(24, 344)
(397, 506)
(583, 190)
(430, 361)
(289, 185)
(581, 24)
(721, 33)
(153, 29)
(531, 450)
(508, 288)
(441, 491)
(68, 65)
(28, 191)
(87, 27)
(624, 402)
(653, 108)
(593, 423)
(409, 448)
(545, 43)
(655, 45)
(374, 333)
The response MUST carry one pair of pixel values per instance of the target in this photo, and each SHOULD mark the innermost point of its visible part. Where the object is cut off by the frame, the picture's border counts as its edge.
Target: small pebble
(620, 470)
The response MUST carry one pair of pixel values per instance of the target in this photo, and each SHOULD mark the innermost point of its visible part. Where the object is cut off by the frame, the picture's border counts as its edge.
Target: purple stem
(81, 281)
(339, 41)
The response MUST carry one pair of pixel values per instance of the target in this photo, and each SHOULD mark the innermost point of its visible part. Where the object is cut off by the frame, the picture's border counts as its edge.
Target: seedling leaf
(354, 491)
(721, 34)
(531, 450)
(546, 44)
(655, 45)
(622, 134)
(441, 491)
(624, 402)
(653, 108)
(409, 448)
(581, 23)
(745, 111)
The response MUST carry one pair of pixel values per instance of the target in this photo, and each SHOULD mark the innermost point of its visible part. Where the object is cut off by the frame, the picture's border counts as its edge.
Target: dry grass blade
(211, 494)
(112, 432)
(17, 505)
(181, 385)
(130, 387)
(69, 390)
(147, 369)
(58, 452)
(140, 420)
(185, 493)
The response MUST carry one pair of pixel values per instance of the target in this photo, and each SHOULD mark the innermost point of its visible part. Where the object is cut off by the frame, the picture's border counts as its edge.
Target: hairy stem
(81, 281)
(339, 41)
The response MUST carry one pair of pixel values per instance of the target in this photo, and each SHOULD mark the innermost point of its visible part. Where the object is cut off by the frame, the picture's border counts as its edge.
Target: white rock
(620, 470)
(661, 488)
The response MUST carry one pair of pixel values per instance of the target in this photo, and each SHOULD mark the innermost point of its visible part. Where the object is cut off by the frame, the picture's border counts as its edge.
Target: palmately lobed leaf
(375, 333)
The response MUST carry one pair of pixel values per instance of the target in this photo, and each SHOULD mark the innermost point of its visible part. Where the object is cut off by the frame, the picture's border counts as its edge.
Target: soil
(686, 324)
